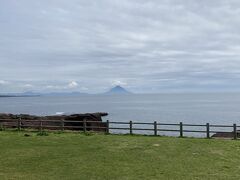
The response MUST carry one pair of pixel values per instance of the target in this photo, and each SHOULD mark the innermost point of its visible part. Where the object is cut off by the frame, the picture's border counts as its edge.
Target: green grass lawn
(79, 156)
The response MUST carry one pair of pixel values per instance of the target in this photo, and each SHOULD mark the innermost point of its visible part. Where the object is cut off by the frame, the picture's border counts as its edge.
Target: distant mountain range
(6, 96)
(32, 94)
(64, 94)
(115, 90)
(25, 94)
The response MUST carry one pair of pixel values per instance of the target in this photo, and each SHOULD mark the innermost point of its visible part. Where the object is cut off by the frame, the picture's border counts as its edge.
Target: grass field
(79, 156)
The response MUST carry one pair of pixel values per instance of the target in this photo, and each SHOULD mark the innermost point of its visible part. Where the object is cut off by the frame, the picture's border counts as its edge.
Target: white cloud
(51, 87)
(70, 85)
(2, 82)
(73, 84)
(118, 83)
(28, 85)
(129, 42)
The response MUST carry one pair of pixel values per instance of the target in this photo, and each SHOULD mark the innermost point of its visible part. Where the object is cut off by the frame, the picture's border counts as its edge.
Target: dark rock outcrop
(225, 135)
(71, 122)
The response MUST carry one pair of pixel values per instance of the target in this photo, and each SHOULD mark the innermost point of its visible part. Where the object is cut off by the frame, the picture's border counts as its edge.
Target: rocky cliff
(70, 122)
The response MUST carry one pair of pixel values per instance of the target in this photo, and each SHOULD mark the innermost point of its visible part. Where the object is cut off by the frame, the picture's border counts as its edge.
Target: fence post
(41, 124)
(155, 128)
(181, 129)
(130, 124)
(208, 130)
(62, 124)
(19, 124)
(84, 125)
(107, 127)
(234, 131)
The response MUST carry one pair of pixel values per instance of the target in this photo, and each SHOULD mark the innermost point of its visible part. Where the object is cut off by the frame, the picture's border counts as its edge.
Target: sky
(146, 46)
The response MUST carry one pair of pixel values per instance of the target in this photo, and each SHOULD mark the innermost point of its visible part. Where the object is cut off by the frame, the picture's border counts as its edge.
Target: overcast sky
(145, 46)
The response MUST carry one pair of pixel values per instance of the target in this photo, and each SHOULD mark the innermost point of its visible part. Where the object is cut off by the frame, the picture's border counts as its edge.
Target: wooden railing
(121, 127)
(180, 128)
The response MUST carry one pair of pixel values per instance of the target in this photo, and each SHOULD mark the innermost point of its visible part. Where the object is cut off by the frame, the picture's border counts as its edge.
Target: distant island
(113, 91)
(6, 96)
(25, 94)
(35, 94)
(64, 94)
(118, 90)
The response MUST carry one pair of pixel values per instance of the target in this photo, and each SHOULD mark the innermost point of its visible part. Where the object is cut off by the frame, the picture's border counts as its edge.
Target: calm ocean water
(195, 108)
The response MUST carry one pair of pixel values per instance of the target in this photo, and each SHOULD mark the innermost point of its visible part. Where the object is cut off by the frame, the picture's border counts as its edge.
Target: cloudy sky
(146, 46)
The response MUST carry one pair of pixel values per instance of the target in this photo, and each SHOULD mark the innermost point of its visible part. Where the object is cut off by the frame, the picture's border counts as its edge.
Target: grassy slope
(77, 156)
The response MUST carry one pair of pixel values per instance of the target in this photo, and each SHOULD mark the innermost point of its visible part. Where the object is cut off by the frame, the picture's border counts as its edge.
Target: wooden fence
(129, 127)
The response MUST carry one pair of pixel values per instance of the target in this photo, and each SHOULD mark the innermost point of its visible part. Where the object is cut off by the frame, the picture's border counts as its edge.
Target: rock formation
(71, 122)
(225, 135)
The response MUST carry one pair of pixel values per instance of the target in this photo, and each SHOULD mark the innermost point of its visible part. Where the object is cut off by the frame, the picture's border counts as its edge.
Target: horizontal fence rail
(131, 127)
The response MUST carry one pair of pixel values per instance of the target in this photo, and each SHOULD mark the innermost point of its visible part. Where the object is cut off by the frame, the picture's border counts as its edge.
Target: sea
(189, 108)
